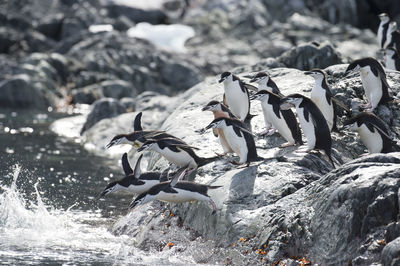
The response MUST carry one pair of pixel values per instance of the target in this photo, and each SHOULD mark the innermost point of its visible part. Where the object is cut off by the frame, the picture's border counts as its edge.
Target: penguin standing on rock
(134, 181)
(220, 110)
(179, 154)
(373, 78)
(283, 120)
(392, 59)
(322, 96)
(176, 191)
(239, 139)
(236, 95)
(265, 82)
(383, 28)
(312, 122)
(373, 133)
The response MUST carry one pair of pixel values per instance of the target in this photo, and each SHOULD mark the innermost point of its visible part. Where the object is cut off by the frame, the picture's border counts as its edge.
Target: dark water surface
(48, 189)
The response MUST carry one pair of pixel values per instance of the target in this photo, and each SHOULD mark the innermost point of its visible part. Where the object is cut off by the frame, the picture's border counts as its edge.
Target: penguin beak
(142, 148)
(253, 97)
(208, 127)
(253, 80)
(308, 73)
(132, 205)
(206, 108)
(221, 80)
(112, 143)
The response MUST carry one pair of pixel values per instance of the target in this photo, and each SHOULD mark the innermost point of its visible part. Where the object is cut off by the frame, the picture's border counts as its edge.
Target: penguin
(239, 139)
(373, 78)
(220, 110)
(283, 120)
(392, 59)
(176, 153)
(140, 136)
(312, 122)
(134, 181)
(265, 82)
(176, 191)
(322, 96)
(236, 95)
(373, 133)
(392, 36)
(382, 29)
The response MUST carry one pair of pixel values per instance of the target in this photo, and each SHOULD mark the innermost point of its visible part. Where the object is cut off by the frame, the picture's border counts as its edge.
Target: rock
(18, 92)
(391, 253)
(118, 89)
(51, 26)
(311, 55)
(88, 94)
(135, 14)
(103, 108)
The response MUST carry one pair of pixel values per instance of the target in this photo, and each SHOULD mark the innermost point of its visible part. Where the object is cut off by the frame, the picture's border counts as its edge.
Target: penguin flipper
(137, 171)
(125, 164)
(178, 176)
(379, 129)
(164, 175)
(341, 104)
(137, 123)
(250, 87)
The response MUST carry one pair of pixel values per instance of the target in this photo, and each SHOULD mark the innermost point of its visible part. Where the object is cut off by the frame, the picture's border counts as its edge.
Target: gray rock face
(104, 108)
(391, 253)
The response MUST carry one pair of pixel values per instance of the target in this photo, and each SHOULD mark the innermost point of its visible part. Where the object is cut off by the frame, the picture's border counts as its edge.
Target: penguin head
(112, 187)
(212, 106)
(392, 26)
(216, 123)
(291, 101)
(148, 145)
(226, 76)
(260, 77)
(141, 199)
(316, 73)
(262, 95)
(118, 139)
(384, 17)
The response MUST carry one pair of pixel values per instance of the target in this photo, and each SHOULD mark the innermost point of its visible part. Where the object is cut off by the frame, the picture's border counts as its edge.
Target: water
(49, 213)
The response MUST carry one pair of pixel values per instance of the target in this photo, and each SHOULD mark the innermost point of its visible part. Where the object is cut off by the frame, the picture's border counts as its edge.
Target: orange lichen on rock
(382, 242)
(170, 244)
(304, 261)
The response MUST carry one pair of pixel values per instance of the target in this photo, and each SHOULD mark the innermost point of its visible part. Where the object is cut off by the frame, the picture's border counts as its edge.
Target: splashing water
(33, 231)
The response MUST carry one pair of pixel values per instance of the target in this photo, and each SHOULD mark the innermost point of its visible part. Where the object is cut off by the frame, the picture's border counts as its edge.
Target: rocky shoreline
(291, 208)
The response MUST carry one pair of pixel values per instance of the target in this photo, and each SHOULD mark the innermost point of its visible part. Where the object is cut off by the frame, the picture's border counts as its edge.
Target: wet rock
(88, 94)
(391, 253)
(118, 89)
(103, 108)
(19, 92)
(135, 14)
(311, 55)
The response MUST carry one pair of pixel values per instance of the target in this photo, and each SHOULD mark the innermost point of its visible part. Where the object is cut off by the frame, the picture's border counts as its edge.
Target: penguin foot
(287, 144)
(221, 154)
(365, 154)
(263, 133)
(271, 132)
(243, 166)
(366, 106)
(305, 149)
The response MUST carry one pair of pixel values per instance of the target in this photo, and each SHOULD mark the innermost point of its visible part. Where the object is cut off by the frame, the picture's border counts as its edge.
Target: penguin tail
(250, 116)
(203, 161)
(214, 187)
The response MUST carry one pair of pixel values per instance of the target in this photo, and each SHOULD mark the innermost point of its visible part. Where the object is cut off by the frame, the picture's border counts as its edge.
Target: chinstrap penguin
(373, 133)
(382, 29)
(312, 122)
(373, 78)
(239, 139)
(283, 120)
(176, 191)
(134, 181)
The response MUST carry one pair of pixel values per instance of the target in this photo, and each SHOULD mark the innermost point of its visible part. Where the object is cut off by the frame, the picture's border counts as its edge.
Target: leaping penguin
(322, 96)
(392, 59)
(383, 28)
(177, 153)
(134, 181)
(176, 191)
(236, 95)
(373, 133)
(312, 122)
(283, 120)
(220, 110)
(140, 136)
(373, 78)
(239, 139)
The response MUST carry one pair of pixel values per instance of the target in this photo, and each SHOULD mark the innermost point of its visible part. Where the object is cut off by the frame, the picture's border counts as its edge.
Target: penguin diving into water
(134, 181)
(283, 120)
(312, 122)
(373, 133)
(176, 191)
(373, 78)
(239, 139)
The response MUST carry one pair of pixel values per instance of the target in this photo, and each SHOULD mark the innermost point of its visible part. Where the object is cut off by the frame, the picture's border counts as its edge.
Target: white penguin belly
(237, 100)
(238, 144)
(372, 86)
(143, 188)
(223, 141)
(265, 108)
(380, 35)
(389, 63)
(180, 158)
(373, 141)
(318, 96)
(278, 123)
(181, 196)
(308, 128)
